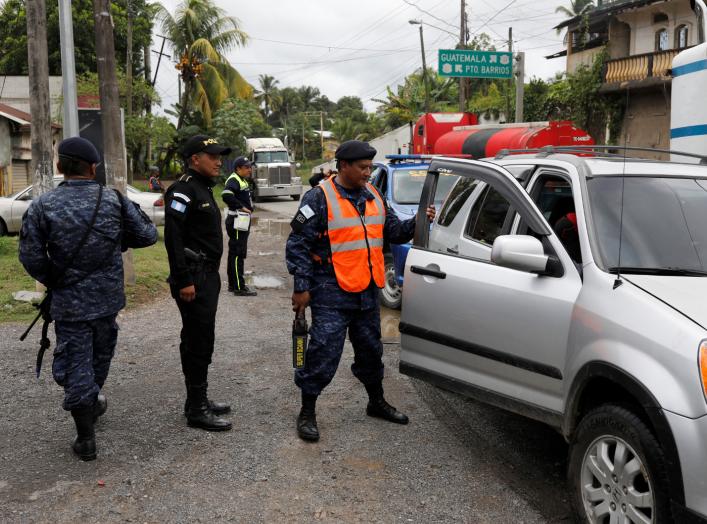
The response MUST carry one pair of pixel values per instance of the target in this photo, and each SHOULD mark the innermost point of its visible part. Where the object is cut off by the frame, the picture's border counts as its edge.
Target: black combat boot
(100, 407)
(217, 408)
(378, 407)
(245, 291)
(307, 419)
(85, 442)
(198, 413)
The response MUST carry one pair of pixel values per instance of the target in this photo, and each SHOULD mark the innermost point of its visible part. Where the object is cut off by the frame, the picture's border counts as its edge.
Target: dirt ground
(152, 468)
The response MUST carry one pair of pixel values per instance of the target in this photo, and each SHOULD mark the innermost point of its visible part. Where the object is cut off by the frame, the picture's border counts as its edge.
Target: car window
(553, 196)
(520, 172)
(488, 216)
(454, 202)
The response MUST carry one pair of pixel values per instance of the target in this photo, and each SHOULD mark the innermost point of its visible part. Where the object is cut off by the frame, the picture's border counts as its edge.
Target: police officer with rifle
(194, 243)
(71, 241)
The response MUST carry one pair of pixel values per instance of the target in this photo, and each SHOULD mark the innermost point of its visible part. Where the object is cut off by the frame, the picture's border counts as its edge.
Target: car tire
(3, 228)
(617, 469)
(391, 296)
(295, 197)
(257, 199)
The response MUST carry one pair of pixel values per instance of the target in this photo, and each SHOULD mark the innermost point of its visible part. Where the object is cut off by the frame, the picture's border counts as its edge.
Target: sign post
(475, 64)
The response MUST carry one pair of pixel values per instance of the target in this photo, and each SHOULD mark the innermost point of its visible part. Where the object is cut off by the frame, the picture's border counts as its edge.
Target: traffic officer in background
(237, 196)
(335, 252)
(70, 241)
(194, 243)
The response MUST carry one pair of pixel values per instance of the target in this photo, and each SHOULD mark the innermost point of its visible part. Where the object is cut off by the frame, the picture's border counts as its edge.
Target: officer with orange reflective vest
(335, 253)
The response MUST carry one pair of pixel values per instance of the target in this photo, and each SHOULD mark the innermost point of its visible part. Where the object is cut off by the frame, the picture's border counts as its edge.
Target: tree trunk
(113, 145)
(41, 124)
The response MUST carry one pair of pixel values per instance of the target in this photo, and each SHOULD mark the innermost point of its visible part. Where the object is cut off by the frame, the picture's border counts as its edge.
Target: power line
(324, 46)
(408, 2)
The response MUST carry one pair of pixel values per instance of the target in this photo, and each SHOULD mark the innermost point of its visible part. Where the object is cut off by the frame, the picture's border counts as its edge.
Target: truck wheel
(257, 199)
(391, 295)
(617, 470)
(295, 197)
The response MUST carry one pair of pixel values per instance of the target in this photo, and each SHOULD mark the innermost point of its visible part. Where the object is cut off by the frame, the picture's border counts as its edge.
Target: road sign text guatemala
(475, 64)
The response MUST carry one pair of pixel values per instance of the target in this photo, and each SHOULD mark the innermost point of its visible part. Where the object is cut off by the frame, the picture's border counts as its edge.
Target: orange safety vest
(356, 240)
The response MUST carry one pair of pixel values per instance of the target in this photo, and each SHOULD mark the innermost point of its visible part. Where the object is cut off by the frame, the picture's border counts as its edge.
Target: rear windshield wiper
(662, 271)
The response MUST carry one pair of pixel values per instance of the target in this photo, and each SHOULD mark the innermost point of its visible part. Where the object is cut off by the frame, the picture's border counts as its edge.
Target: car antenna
(618, 280)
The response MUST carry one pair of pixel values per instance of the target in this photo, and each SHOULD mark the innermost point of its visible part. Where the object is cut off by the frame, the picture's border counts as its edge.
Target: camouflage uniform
(87, 298)
(333, 309)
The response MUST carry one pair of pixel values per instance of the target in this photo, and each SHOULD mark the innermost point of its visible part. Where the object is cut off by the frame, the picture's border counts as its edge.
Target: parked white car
(14, 206)
(574, 294)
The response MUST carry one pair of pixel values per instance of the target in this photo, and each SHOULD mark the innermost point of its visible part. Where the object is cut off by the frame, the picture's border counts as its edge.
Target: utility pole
(41, 124)
(508, 91)
(462, 45)
(520, 85)
(321, 130)
(304, 156)
(68, 69)
(113, 146)
(147, 56)
(424, 72)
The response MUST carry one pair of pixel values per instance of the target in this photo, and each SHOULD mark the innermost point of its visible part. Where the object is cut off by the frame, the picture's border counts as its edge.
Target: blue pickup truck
(400, 182)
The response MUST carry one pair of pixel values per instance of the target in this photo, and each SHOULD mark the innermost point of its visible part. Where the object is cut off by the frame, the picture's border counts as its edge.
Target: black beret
(242, 161)
(203, 144)
(355, 150)
(79, 149)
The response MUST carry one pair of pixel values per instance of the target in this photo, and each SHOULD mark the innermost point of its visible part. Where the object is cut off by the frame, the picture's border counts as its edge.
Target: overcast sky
(358, 47)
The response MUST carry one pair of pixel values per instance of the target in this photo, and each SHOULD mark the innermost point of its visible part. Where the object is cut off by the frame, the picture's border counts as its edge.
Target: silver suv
(572, 290)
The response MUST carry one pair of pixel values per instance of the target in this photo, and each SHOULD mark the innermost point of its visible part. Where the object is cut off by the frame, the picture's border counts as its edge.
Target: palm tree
(268, 94)
(200, 34)
(577, 8)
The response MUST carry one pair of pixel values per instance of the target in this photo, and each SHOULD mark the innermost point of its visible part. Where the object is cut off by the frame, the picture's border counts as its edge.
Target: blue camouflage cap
(242, 161)
(355, 150)
(78, 148)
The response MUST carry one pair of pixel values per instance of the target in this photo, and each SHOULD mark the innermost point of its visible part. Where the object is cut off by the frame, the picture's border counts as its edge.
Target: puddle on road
(390, 319)
(271, 226)
(265, 282)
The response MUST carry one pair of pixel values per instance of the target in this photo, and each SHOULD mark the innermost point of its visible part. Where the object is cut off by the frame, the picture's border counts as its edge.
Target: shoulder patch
(182, 196)
(178, 206)
(307, 211)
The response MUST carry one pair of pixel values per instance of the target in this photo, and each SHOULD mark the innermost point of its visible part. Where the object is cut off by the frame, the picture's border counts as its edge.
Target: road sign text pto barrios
(475, 64)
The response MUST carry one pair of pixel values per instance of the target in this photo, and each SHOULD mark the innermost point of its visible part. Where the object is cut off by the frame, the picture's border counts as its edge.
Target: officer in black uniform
(194, 242)
(237, 196)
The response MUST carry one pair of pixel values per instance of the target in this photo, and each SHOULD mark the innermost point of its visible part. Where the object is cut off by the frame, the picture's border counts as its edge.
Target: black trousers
(198, 327)
(237, 251)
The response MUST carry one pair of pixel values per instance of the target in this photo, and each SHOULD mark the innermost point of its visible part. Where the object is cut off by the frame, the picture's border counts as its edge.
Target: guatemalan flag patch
(178, 206)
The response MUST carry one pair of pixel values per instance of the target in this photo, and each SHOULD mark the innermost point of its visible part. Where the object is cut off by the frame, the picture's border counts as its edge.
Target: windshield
(269, 157)
(408, 182)
(663, 223)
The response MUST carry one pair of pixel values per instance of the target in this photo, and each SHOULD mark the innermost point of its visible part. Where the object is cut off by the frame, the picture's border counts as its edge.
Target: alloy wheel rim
(615, 485)
(391, 289)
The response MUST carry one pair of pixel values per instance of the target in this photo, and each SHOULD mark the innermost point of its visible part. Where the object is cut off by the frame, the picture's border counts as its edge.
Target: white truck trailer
(274, 174)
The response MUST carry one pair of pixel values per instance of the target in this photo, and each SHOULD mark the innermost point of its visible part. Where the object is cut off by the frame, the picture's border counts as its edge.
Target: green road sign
(475, 64)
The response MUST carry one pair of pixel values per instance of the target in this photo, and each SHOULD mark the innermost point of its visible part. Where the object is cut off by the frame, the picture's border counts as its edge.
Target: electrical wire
(408, 2)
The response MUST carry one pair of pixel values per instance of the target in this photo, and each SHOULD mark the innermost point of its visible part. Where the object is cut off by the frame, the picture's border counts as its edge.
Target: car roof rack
(394, 159)
(596, 150)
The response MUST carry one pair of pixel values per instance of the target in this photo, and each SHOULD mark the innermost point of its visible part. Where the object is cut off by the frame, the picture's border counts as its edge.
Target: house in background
(640, 39)
(16, 149)
(15, 140)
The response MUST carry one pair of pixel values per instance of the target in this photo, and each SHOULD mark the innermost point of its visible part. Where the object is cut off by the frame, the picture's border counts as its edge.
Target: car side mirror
(521, 252)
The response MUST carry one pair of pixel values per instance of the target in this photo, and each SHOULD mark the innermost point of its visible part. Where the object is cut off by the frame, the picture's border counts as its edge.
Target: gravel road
(457, 461)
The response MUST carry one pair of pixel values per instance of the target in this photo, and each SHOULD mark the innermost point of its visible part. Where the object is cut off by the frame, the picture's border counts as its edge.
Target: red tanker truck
(460, 134)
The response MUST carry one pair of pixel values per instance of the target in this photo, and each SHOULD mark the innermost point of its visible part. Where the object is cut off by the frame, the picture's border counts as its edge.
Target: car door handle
(427, 271)
(453, 250)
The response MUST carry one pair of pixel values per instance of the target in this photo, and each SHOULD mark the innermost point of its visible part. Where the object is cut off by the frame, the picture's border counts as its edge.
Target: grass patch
(151, 269)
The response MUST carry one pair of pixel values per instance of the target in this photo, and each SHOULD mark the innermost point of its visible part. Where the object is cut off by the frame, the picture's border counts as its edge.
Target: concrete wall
(643, 30)
(580, 58)
(647, 121)
(5, 143)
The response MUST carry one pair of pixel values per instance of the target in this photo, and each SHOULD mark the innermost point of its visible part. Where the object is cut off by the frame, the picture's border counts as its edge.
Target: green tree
(237, 120)
(268, 94)
(348, 129)
(535, 100)
(13, 35)
(200, 33)
(576, 8)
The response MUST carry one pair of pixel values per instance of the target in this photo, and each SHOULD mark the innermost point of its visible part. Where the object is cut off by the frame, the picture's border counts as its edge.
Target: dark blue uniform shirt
(319, 278)
(53, 226)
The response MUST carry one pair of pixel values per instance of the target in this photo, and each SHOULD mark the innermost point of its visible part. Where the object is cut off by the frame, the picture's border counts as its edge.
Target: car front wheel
(3, 228)
(391, 295)
(617, 469)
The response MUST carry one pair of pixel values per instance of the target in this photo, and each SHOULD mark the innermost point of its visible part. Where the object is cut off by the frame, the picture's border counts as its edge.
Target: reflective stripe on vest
(356, 241)
(242, 184)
